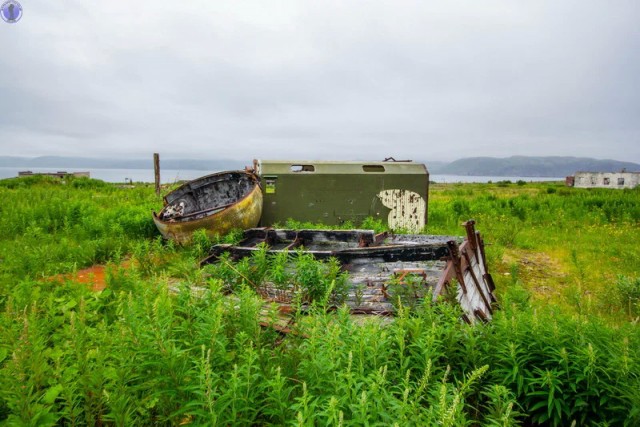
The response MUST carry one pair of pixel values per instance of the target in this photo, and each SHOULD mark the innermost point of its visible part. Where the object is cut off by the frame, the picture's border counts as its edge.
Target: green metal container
(334, 192)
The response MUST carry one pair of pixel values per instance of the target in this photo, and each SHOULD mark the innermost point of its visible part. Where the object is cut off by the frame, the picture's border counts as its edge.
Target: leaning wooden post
(456, 261)
(156, 171)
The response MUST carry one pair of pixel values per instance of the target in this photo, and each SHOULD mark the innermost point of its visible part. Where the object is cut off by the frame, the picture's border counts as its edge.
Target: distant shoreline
(508, 167)
(174, 175)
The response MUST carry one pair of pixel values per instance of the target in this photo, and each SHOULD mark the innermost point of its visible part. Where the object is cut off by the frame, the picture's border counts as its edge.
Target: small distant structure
(622, 179)
(59, 174)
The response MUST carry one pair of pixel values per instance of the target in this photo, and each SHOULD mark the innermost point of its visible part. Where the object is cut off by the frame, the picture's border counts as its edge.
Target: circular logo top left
(11, 11)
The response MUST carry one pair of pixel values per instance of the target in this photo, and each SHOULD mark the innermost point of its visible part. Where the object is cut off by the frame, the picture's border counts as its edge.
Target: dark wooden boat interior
(207, 195)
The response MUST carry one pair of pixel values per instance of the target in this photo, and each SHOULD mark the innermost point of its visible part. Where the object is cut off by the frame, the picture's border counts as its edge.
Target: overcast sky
(426, 80)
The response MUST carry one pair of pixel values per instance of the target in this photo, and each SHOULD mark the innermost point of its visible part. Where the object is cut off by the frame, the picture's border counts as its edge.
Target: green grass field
(166, 343)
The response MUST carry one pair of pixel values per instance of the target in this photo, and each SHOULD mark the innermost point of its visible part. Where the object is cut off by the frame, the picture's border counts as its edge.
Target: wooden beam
(477, 282)
(156, 171)
(454, 251)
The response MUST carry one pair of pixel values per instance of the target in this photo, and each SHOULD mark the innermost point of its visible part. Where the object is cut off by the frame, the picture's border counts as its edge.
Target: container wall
(334, 192)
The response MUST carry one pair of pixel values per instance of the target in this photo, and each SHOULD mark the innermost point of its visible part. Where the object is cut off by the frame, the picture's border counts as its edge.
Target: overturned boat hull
(216, 203)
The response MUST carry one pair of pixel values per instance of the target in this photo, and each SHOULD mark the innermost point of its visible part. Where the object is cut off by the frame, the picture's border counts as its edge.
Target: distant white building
(59, 174)
(604, 180)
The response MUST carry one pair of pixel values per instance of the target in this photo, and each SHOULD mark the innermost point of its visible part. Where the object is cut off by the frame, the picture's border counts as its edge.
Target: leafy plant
(628, 294)
(167, 343)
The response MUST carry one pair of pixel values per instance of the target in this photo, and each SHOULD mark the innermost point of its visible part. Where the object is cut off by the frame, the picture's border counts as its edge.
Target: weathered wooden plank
(476, 282)
(373, 262)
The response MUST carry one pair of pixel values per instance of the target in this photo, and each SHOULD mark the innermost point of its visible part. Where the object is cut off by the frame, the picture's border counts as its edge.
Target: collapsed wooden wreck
(431, 267)
(381, 268)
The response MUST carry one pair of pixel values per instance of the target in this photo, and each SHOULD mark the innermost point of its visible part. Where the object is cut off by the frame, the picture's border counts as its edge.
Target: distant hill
(530, 166)
(434, 166)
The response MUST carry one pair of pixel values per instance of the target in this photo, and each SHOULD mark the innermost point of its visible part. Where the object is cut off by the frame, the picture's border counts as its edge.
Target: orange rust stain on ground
(93, 277)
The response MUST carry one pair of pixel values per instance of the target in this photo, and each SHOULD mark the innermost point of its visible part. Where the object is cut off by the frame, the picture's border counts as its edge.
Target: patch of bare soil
(537, 271)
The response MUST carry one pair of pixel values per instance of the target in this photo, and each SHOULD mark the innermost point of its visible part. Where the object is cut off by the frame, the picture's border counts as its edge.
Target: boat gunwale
(207, 212)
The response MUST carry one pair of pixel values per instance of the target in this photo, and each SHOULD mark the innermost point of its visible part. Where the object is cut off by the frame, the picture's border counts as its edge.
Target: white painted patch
(407, 209)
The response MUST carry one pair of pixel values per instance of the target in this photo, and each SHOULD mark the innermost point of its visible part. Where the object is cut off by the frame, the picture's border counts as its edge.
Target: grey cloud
(325, 80)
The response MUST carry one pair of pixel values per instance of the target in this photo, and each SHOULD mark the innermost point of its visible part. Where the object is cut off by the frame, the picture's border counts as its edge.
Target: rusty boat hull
(216, 203)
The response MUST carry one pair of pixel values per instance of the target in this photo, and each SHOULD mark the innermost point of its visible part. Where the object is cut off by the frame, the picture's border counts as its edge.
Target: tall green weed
(166, 344)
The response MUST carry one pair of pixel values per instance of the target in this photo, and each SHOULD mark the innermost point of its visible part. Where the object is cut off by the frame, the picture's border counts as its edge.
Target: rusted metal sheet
(435, 266)
(216, 203)
(332, 193)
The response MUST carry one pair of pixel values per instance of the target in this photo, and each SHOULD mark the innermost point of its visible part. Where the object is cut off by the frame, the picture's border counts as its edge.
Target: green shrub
(166, 343)
(628, 294)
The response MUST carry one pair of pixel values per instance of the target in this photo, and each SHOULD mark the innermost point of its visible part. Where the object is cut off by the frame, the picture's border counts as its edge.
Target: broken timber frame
(444, 264)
